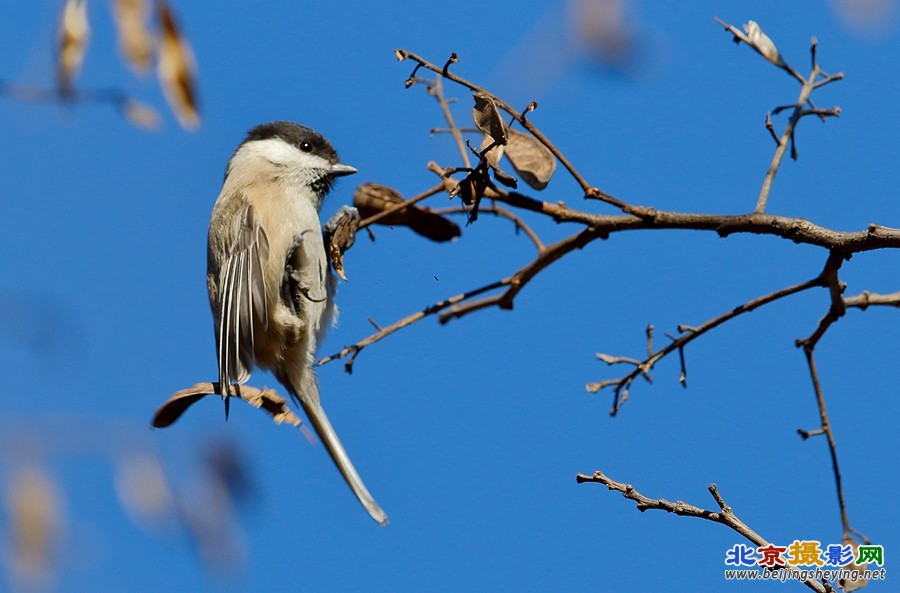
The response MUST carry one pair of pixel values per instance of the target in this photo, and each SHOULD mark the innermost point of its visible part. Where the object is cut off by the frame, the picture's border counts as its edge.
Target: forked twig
(688, 335)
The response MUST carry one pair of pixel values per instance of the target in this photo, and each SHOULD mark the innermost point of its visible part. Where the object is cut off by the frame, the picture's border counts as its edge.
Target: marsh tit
(270, 286)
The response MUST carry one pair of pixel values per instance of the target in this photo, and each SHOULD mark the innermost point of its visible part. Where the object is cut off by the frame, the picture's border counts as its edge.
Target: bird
(270, 287)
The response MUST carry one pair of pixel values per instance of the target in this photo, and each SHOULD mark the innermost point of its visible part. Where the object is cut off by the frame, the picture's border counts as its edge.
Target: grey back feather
(241, 300)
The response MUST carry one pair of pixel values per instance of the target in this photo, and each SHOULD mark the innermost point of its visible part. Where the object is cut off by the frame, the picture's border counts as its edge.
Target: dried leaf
(143, 490)
(135, 40)
(505, 178)
(471, 189)
(762, 43)
(532, 160)
(339, 237)
(372, 199)
(141, 115)
(35, 513)
(176, 70)
(494, 155)
(73, 36)
(175, 406)
(487, 117)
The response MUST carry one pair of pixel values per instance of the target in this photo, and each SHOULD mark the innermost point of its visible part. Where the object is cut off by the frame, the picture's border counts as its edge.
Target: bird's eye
(306, 147)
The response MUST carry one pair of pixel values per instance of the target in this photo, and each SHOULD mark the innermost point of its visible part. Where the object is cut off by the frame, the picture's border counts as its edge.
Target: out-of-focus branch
(725, 515)
(173, 54)
(137, 112)
(448, 115)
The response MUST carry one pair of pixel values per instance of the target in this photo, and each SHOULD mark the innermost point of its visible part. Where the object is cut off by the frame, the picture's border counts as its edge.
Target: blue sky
(469, 434)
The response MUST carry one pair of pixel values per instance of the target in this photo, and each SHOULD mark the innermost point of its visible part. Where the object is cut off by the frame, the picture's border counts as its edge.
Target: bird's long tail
(323, 428)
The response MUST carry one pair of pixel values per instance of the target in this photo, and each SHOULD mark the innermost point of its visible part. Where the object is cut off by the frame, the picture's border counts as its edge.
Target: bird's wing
(242, 299)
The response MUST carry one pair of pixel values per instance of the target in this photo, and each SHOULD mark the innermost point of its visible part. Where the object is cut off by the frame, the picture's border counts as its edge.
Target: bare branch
(685, 338)
(797, 230)
(600, 227)
(836, 310)
(725, 515)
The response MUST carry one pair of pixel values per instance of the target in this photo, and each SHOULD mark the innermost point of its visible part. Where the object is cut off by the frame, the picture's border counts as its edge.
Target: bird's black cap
(306, 139)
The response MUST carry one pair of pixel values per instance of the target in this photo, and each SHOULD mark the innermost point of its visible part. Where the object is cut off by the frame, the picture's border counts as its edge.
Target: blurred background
(469, 434)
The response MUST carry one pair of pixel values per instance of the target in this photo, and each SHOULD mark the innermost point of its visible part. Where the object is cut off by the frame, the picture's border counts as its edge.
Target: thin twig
(497, 211)
(354, 349)
(826, 430)
(836, 310)
(787, 137)
(33, 94)
(522, 277)
(829, 79)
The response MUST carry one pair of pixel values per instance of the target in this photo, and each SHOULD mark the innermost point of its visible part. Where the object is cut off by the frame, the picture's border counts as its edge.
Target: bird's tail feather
(323, 428)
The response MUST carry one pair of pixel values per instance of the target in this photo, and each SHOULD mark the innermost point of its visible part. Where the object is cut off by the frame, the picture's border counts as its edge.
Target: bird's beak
(340, 169)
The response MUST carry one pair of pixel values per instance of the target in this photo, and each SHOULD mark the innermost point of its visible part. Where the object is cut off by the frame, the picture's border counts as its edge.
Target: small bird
(270, 286)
